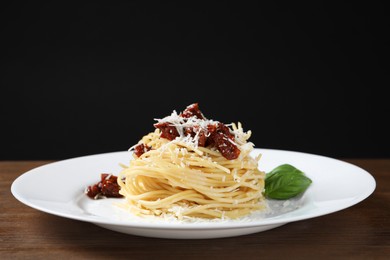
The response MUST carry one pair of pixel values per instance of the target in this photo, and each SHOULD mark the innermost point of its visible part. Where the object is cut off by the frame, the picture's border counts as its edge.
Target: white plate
(58, 188)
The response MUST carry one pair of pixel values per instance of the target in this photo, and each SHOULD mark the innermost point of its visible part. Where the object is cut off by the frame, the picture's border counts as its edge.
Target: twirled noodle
(184, 180)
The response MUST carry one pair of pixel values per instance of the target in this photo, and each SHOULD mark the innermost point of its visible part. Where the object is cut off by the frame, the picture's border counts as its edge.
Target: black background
(86, 78)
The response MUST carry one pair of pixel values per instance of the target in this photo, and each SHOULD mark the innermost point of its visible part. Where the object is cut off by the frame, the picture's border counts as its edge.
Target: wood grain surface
(358, 232)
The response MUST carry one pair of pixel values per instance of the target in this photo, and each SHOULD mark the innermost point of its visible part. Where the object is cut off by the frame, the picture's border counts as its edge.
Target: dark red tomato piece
(168, 131)
(140, 149)
(221, 138)
(217, 135)
(110, 188)
(225, 145)
(192, 110)
(107, 187)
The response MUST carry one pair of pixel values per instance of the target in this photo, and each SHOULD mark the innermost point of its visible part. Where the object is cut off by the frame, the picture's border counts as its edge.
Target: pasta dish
(193, 167)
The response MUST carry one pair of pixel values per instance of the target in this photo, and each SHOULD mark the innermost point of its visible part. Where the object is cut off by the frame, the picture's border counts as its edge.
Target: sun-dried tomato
(221, 138)
(215, 134)
(192, 110)
(168, 131)
(106, 187)
(140, 149)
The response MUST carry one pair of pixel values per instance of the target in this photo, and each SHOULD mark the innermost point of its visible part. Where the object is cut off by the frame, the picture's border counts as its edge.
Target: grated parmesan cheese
(199, 125)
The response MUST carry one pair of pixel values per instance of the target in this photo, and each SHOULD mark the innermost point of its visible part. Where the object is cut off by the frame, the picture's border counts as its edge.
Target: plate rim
(231, 224)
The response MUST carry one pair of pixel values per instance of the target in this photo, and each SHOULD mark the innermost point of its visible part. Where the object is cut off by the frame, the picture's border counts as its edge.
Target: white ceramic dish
(58, 188)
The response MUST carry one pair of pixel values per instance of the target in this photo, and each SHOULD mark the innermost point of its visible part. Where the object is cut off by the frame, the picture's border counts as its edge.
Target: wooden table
(359, 232)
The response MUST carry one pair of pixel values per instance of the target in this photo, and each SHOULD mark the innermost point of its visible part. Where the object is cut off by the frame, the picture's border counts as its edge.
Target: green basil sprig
(285, 182)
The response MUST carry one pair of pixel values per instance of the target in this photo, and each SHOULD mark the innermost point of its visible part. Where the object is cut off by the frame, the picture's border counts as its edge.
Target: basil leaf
(285, 182)
(285, 169)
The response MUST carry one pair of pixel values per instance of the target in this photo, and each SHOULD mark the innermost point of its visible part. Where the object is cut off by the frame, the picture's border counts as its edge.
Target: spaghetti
(193, 167)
